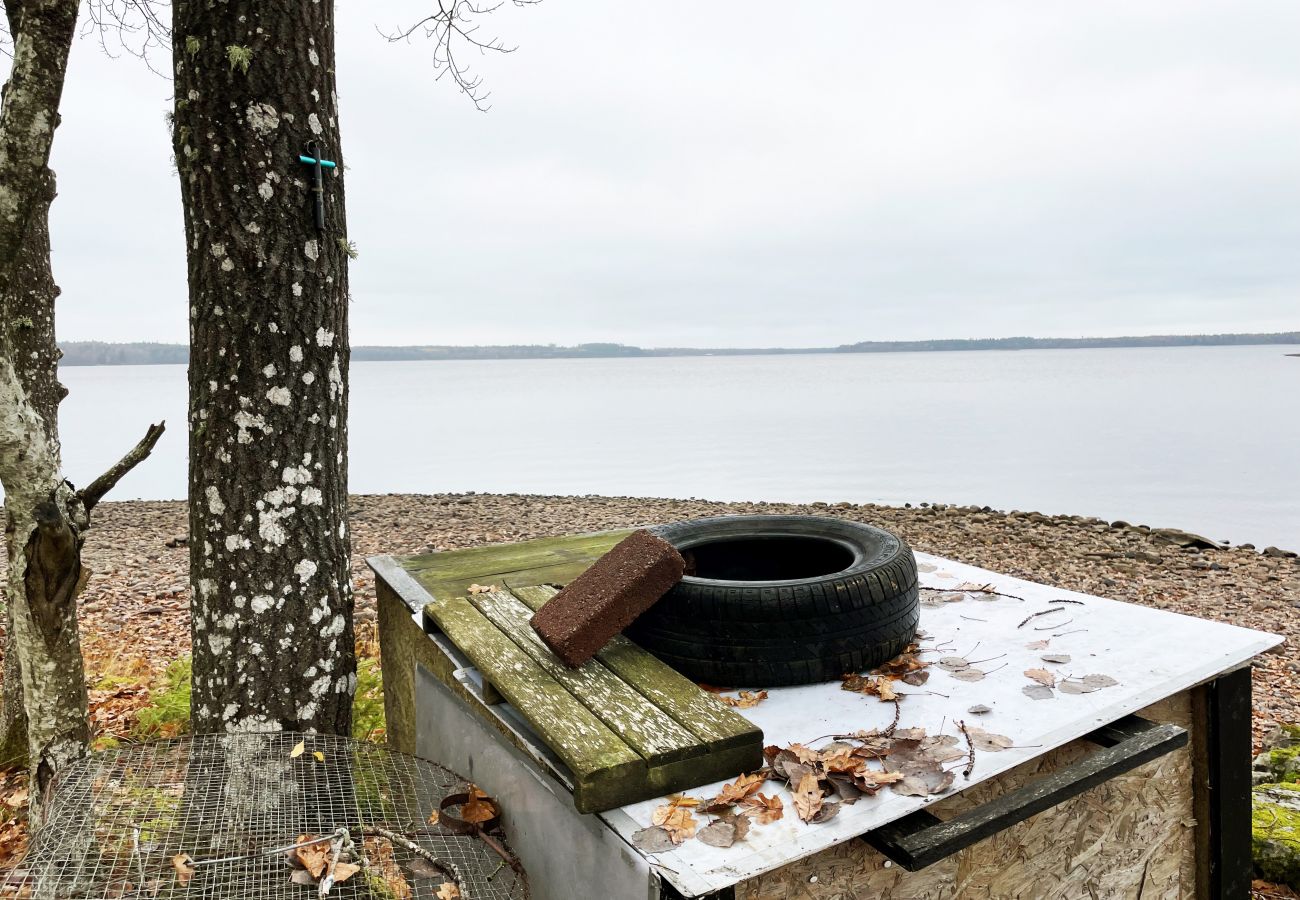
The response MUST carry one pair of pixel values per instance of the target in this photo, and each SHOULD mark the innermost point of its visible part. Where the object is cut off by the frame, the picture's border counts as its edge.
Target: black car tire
(782, 600)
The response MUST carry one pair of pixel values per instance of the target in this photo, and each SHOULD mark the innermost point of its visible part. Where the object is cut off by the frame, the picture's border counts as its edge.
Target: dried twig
(446, 868)
(1063, 600)
(970, 764)
(1042, 612)
(1057, 625)
(989, 591)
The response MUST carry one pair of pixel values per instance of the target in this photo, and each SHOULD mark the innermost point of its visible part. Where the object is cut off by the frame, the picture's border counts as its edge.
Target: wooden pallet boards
(626, 726)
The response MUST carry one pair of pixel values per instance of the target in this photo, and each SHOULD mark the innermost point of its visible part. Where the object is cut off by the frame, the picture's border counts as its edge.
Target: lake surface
(1206, 439)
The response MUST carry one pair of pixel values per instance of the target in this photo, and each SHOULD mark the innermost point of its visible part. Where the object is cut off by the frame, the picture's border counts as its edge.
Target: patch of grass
(368, 704)
(168, 712)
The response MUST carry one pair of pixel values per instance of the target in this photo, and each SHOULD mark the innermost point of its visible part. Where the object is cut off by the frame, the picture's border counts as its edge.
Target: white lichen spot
(269, 527)
(308, 377)
(296, 475)
(314, 57)
(218, 250)
(237, 542)
(215, 504)
(311, 496)
(262, 118)
(295, 353)
(324, 338)
(206, 587)
(273, 328)
(280, 396)
(305, 570)
(313, 122)
(227, 265)
(264, 190)
(269, 370)
(311, 250)
(296, 288)
(218, 643)
(261, 603)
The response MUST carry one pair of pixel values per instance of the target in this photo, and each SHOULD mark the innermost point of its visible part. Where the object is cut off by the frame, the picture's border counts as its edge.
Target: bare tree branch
(454, 27)
(135, 27)
(95, 491)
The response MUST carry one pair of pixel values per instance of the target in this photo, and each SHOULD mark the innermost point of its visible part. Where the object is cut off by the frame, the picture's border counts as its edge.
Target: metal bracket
(922, 839)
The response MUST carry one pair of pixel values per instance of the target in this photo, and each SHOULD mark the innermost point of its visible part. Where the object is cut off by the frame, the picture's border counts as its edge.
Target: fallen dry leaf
(739, 789)
(1037, 645)
(384, 866)
(343, 871)
(1056, 657)
(297, 750)
(746, 699)
(1086, 685)
(1038, 692)
(1042, 676)
(314, 858)
(676, 820)
(478, 808)
(808, 797)
(320, 757)
(448, 891)
(481, 588)
(184, 867)
(654, 839)
(986, 740)
(763, 808)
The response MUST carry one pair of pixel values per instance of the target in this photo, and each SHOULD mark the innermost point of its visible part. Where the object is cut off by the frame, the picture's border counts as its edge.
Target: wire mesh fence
(211, 816)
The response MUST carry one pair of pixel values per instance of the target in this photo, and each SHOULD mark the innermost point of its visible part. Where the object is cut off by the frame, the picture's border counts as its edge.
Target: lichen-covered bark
(44, 517)
(271, 602)
(27, 309)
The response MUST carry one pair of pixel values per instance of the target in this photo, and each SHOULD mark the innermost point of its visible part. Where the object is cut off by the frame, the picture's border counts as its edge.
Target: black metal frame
(922, 839)
(1228, 749)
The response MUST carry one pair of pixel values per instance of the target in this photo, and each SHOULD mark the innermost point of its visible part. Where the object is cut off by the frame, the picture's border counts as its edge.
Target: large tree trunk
(27, 307)
(271, 606)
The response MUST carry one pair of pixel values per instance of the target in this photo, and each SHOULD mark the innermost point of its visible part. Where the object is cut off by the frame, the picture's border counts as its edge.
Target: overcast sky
(759, 173)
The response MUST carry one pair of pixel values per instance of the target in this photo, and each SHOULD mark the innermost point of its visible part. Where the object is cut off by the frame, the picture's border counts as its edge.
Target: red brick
(608, 597)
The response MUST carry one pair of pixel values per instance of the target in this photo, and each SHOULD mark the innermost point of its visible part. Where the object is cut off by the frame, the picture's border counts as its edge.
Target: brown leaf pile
(907, 667)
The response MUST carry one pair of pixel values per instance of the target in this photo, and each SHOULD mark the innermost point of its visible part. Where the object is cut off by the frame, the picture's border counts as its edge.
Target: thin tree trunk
(271, 608)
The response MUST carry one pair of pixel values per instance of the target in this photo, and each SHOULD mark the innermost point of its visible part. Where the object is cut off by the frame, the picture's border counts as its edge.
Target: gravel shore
(134, 612)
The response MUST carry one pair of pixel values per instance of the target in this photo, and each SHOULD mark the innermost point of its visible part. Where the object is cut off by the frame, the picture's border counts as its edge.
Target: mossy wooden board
(626, 726)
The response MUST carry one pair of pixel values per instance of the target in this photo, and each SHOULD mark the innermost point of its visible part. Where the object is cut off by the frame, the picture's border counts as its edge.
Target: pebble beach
(134, 613)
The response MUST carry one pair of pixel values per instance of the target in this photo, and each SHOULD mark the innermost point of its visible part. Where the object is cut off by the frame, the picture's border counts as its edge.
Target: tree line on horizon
(103, 353)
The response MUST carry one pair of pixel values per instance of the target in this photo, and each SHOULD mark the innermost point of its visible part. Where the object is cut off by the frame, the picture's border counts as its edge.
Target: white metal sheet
(1153, 654)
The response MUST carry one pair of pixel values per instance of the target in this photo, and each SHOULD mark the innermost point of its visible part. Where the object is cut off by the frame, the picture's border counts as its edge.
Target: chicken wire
(117, 820)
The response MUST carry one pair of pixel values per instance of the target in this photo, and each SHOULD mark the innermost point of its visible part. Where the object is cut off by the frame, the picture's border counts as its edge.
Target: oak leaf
(448, 891)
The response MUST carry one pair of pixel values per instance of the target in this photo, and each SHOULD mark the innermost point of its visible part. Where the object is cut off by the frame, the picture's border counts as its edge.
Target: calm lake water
(1205, 439)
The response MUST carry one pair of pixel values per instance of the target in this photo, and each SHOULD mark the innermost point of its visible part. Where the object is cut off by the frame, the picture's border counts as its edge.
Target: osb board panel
(1132, 837)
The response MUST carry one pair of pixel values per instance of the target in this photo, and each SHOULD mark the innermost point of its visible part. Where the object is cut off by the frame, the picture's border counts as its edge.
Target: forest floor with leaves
(135, 620)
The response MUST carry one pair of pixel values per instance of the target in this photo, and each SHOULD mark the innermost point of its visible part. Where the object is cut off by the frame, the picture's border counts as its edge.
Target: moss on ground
(1275, 832)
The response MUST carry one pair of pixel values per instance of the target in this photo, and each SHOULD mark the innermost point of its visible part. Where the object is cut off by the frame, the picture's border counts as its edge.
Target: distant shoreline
(100, 353)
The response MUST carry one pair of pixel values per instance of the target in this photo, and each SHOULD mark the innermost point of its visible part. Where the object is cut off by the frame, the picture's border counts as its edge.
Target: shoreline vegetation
(101, 353)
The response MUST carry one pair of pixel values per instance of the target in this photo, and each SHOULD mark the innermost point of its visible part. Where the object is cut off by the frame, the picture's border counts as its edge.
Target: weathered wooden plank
(449, 574)
(648, 730)
(697, 711)
(605, 769)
